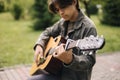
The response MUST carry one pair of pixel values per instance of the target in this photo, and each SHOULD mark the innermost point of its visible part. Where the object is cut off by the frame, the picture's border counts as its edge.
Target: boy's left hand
(61, 54)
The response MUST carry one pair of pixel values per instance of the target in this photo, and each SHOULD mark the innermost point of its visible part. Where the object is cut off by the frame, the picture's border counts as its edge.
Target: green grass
(17, 40)
(111, 34)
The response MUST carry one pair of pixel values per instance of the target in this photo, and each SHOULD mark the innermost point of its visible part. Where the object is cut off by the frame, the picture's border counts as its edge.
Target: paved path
(20, 72)
(107, 67)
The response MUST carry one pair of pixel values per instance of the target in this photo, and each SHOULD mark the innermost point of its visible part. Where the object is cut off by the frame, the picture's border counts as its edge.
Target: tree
(42, 18)
(2, 6)
(86, 4)
(111, 12)
(91, 6)
(17, 11)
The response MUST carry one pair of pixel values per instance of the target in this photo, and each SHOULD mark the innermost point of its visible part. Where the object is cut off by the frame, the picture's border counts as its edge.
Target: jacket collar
(78, 22)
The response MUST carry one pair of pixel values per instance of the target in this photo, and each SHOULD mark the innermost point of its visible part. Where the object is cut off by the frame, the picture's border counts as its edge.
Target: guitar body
(51, 64)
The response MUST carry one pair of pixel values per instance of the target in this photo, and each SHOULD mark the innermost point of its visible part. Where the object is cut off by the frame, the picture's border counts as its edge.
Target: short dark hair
(61, 3)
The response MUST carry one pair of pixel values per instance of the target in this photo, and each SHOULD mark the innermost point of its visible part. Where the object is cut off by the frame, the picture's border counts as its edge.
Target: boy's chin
(66, 19)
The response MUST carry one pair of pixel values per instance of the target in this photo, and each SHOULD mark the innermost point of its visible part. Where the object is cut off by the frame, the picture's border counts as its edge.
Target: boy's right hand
(38, 52)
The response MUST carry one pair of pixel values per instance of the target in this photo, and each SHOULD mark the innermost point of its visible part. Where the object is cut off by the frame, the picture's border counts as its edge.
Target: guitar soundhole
(63, 40)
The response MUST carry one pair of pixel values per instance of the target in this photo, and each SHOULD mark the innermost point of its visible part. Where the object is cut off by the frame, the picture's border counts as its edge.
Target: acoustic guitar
(49, 64)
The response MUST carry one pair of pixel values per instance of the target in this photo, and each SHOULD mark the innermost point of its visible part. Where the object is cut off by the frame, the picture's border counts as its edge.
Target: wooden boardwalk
(20, 72)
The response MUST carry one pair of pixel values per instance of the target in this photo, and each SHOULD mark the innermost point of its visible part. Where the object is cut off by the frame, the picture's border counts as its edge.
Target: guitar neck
(71, 43)
(88, 43)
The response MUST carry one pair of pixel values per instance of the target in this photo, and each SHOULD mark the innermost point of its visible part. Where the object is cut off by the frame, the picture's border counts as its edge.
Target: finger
(56, 48)
(36, 58)
(61, 48)
(70, 50)
(41, 55)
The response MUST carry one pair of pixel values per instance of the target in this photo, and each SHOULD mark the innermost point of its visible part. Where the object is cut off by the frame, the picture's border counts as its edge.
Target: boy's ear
(75, 2)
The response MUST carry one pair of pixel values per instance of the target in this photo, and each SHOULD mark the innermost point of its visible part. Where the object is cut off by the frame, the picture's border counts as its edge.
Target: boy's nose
(61, 11)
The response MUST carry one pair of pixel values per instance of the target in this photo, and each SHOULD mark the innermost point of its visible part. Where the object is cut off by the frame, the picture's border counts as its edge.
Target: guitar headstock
(88, 43)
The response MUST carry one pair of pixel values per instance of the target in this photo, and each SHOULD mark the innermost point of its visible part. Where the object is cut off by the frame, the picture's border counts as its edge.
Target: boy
(75, 25)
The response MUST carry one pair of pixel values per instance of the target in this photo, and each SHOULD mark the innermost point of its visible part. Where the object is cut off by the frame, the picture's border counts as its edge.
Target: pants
(44, 77)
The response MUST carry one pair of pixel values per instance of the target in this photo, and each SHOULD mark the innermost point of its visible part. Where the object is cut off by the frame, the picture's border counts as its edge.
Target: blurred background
(22, 21)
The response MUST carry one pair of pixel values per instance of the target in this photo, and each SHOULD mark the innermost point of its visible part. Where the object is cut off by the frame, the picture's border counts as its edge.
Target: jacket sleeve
(45, 35)
(84, 60)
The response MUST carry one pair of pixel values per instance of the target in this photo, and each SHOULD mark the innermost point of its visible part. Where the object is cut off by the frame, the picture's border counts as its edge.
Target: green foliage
(42, 18)
(92, 8)
(111, 12)
(2, 6)
(17, 11)
(16, 40)
(111, 34)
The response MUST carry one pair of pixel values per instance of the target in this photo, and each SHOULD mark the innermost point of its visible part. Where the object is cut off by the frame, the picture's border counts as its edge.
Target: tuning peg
(97, 39)
(91, 35)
